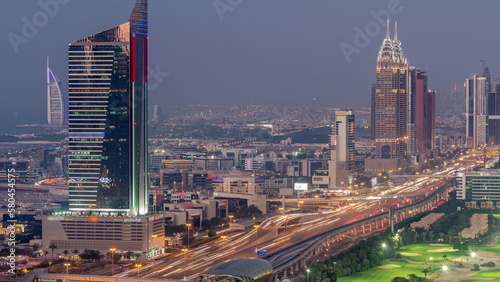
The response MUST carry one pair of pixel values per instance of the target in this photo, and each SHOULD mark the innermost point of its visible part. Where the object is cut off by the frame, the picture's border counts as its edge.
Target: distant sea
(24, 129)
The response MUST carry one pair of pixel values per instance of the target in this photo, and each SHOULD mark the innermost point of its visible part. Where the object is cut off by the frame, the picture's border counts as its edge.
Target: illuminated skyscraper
(476, 93)
(56, 102)
(426, 121)
(342, 151)
(390, 104)
(108, 119)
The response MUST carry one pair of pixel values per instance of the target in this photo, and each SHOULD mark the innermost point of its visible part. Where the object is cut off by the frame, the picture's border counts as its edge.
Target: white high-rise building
(476, 96)
(157, 113)
(342, 154)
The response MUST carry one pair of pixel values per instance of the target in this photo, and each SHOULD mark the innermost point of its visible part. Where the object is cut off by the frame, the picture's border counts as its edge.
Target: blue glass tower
(108, 119)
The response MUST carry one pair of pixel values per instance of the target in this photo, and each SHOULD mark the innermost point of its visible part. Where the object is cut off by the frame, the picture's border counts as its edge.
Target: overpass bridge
(293, 258)
(422, 176)
(346, 198)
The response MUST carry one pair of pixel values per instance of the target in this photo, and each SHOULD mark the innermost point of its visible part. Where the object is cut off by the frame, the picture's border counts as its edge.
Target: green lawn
(488, 273)
(380, 274)
(424, 255)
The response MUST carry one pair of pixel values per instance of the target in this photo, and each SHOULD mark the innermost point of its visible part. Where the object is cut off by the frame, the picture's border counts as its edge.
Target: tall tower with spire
(390, 100)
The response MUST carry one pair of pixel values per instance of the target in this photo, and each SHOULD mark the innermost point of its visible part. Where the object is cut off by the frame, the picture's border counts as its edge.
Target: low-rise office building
(143, 234)
(479, 186)
(238, 184)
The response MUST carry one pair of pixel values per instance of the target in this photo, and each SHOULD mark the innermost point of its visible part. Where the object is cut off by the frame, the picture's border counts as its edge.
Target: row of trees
(370, 253)
(361, 257)
(95, 255)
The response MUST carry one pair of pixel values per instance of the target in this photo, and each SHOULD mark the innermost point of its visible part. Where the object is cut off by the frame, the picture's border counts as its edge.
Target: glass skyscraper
(342, 151)
(107, 119)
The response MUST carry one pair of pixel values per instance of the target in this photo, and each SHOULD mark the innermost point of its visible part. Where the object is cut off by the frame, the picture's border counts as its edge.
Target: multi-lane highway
(283, 231)
(274, 233)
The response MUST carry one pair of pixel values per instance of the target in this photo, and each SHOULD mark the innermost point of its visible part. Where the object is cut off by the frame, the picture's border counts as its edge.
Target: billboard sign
(300, 186)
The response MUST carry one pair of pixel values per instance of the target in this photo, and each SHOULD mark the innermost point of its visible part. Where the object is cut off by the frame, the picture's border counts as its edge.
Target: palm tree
(98, 255)
(441, 235)
(431, 236)
(412, 277)
(28, 252)
(128, 255)
(425, 271)
(53, 247)
(65, 252)
(450, 235)
(424, 234)
(76, 252)
(35, 247)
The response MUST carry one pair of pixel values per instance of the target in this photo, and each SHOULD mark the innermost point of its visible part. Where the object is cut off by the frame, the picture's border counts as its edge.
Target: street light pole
(188, 225)
(67, 267)
(138, 269)
(307, 275)
(383, 252)
(112, 259)
(185, 250)
(223, 237)
(154, 249)
(230, 220)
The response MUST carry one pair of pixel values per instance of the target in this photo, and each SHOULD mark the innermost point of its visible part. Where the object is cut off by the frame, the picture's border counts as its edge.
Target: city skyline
(227, 58)
(283, 141)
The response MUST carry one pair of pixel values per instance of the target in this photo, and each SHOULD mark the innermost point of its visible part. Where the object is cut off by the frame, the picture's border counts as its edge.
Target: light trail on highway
(284, 230)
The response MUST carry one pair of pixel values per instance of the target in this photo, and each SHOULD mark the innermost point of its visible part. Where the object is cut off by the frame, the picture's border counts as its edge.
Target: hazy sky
(249, 51)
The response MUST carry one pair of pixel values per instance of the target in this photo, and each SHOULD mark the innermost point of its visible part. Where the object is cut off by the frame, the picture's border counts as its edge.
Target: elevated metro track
(423, 176)
(293, 257)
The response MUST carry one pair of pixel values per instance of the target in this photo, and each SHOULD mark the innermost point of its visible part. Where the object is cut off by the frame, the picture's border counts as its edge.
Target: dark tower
(108, 119)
